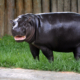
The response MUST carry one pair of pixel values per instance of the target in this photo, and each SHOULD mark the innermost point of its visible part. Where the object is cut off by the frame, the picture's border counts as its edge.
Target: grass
(13, 55)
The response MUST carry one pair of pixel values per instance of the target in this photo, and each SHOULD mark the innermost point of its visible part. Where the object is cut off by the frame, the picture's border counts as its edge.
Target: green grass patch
(13, 54)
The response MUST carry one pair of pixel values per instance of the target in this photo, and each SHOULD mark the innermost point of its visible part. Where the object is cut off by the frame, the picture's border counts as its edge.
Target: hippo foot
(77, 53)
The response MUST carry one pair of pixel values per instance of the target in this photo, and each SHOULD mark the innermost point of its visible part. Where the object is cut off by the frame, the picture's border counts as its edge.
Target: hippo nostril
(24, 30)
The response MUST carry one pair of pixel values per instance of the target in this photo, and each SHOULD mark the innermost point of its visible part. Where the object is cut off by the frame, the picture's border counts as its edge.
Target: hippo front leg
(76, 53)
(35, 51)
(48, 53)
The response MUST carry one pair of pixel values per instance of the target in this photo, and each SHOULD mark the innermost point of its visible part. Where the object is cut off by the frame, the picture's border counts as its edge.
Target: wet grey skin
(49, 32)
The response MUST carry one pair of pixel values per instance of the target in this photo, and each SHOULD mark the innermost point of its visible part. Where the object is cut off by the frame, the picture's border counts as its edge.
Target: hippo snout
(19, 33)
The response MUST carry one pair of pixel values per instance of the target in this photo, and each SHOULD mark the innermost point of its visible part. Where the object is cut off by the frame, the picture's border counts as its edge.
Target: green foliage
(13, 54)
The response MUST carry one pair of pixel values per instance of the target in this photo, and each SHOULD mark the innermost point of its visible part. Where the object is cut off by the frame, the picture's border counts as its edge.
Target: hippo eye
(22, 24)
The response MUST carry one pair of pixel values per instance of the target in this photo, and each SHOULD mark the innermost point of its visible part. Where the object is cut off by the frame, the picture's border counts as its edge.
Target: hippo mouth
(19, 38)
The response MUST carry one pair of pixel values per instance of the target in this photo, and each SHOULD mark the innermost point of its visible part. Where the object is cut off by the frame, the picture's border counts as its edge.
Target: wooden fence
(10, 9)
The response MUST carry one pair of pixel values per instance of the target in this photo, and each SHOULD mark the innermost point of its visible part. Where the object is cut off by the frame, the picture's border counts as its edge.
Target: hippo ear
(11, 21)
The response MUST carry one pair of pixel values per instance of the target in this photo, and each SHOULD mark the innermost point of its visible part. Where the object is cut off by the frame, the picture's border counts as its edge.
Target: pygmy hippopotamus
(49, 32)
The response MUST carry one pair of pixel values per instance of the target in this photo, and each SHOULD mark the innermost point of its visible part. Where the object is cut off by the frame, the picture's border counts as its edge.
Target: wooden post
(45, 5)
(66, 5)
(10, 5)
(5, 19)
(60, 5)
(36, 6)
(74, 5)
(1, 18)
(28, 6)
(54, 5)
(19, 7)
(78, 6)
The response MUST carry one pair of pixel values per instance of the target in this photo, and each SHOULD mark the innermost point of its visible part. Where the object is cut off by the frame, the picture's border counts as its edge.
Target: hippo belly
(62, 37)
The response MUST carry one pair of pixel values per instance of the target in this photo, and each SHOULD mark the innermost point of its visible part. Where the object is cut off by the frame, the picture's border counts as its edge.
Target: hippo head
(23, 28)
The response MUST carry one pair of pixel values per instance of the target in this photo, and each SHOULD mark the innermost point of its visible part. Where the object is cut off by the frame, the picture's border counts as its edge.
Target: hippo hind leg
(76, 53)
(48, 53)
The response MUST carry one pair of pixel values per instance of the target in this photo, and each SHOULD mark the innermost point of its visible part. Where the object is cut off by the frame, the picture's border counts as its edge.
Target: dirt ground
(25, 74)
